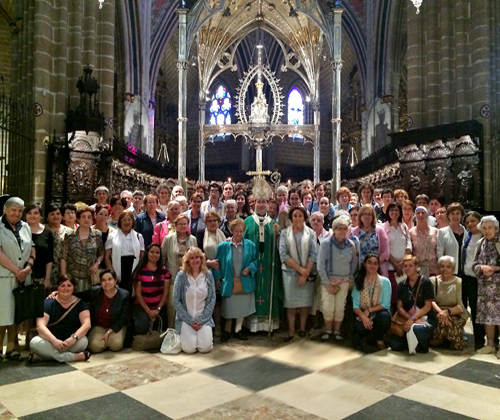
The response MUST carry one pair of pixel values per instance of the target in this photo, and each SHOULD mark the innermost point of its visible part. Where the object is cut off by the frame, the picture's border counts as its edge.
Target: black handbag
(29, 301)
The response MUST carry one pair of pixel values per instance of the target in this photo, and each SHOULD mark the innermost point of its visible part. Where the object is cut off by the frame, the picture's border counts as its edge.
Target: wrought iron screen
(17, 148)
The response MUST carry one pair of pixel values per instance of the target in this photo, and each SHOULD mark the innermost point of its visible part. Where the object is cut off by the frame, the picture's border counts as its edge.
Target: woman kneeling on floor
(371, 298)
(109, 313)
(451, 314)
(63, 327)
(194, 302)
(415, 297)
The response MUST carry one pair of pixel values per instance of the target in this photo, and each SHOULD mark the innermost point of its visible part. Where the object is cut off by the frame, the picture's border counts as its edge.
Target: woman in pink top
(151, 285)
(167, 226)
(372, 237)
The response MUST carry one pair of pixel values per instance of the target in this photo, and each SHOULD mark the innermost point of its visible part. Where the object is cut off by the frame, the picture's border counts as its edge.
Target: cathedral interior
(126, 93)
(129, 94)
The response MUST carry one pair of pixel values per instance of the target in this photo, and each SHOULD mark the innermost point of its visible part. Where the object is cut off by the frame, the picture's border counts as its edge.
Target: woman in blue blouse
(371, 299)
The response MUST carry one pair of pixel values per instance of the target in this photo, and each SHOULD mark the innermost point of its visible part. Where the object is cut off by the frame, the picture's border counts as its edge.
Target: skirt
(238, 306)
(488, 300)
(7, 302)
(297, 296)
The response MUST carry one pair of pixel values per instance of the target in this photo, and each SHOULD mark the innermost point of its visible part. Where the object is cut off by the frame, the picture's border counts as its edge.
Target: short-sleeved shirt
(152, 286)
(44, 245)
(407, 294)
(70, 324)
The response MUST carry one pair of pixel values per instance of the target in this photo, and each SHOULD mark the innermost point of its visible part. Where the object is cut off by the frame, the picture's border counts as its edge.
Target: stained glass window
(295, 107)
(220, 107)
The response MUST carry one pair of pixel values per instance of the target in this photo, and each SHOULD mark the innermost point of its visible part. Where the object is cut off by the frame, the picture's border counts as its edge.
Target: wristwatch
(74, 336)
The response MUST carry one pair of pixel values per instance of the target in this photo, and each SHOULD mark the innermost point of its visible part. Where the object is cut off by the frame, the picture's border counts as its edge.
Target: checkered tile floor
(258, 379)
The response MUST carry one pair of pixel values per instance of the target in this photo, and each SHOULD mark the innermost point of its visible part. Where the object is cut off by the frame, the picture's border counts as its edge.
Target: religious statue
(259, 113)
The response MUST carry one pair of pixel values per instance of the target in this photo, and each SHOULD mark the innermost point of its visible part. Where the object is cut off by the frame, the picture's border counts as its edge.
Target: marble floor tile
(12, 372)
(325, 396)
(490, 358)
(256, 373)
(312, 355)
(113, 406)
(381, 376)
(479, 372)
(107, 357)
(46, 393)
(219, 355)
(187, 394)
(253, 407)
(433, 362)
(136, 372)
(257, 343)
(393, 407)
(455, 395)
(5, 414)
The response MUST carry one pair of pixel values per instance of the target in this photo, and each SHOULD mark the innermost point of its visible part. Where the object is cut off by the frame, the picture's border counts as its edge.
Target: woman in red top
(151, 285)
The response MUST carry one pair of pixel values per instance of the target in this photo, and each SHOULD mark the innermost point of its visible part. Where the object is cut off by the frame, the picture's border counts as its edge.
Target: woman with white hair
(486, 266)
(337, 263)
(451, 314)
(17, 256)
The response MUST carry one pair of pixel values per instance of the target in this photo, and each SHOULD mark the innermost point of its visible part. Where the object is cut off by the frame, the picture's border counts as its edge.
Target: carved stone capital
(411, 153)
(437, 150)
(182, 65)
(387, 99)
(336, 65)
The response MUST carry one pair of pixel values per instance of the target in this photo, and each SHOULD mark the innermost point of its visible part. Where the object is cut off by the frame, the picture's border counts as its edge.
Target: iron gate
(17, 148)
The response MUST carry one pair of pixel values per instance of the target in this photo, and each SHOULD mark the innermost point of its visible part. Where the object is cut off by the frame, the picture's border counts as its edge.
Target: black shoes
(241, 335)
(225, 336)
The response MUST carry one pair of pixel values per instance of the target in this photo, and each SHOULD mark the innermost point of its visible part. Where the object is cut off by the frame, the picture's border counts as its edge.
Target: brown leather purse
(237, 286)
(398, 321)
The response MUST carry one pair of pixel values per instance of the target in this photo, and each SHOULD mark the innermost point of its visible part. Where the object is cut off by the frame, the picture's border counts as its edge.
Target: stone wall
(453, 67)
(48, 55)
(5, 57)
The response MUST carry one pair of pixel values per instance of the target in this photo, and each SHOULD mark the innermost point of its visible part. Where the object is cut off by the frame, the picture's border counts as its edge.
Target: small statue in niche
(415, 182)
(439, 178)
(465, 177)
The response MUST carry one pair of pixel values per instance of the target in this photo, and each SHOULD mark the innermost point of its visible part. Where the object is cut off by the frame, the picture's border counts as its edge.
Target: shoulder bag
(152, 340)
(398, 321)
(28, 301)
(171, 343)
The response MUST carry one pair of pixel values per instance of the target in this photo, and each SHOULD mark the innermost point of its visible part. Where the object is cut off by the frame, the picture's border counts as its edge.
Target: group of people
(374, 266)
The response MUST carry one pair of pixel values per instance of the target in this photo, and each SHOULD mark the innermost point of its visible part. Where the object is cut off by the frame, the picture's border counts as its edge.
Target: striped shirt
(152, 286)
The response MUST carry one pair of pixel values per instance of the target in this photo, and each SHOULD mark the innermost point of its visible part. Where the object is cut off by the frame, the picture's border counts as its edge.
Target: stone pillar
(416, 66)
(316, 147)
(182, 66)
(201, 141)
(336, 97)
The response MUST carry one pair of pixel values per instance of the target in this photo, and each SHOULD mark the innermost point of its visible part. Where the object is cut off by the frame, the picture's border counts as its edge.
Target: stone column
(182, 66)
(415, 66)
(336, 96)
(316, 148)
(201, 141)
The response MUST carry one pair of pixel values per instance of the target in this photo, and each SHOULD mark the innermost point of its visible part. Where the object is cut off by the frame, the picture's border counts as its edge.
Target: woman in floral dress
(486, 267)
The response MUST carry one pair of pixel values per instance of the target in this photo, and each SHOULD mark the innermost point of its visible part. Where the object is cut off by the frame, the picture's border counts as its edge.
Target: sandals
(288, 338)
(87, 355)
(13, 355)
